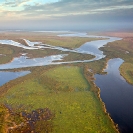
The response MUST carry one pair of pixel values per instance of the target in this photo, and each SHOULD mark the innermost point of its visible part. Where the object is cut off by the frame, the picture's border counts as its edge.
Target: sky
(66, 14)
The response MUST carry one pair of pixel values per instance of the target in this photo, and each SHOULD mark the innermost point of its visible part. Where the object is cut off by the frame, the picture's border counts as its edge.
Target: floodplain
(58, 98)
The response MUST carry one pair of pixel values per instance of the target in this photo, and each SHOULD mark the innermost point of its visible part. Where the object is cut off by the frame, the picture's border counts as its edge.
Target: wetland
(60, 86)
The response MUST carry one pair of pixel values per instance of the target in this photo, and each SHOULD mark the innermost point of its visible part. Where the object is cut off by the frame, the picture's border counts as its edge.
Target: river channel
(117, 95)
(7, 76)
(87, 48)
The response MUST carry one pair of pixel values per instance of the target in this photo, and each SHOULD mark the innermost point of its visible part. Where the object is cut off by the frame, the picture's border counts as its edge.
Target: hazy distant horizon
(129, 29)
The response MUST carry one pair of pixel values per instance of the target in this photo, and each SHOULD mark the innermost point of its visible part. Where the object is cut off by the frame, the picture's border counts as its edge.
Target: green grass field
(126, 70)
(76, 108)
(77, 56)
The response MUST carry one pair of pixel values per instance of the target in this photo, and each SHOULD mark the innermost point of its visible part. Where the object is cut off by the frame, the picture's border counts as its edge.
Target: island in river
(59, 94)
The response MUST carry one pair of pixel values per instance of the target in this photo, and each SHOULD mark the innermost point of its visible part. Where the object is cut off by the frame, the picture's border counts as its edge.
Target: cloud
(14, 3)
(64, 7)
(77, 7)
(67, 12)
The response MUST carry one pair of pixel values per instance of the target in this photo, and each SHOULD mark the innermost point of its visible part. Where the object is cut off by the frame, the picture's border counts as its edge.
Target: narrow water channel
(117, 95)
(87, 48)
(7, 76)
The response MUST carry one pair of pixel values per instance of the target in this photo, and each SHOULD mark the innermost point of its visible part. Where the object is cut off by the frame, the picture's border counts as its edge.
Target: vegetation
(66, 92)
(119, 49)
(3, 113)
(70, 76)
(126, 70)
(9, 52)
(59, 98)
(122, 49)
(47, 38)
(36, 121)
(76, 56)
(67, 42)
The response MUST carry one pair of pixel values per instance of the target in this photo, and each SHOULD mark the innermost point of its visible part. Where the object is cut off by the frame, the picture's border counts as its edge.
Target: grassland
(67, 93)
(8, 53)
(46, 38)
(67, 42)
(126, 70)
(77, 56)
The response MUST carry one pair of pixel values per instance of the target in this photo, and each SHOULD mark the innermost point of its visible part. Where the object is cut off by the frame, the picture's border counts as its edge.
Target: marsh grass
(122, 49)
(126, 70)
(66, 42)
(69, 76)
(2, 118)
(75, 110)
(8, 53)
(77, 56)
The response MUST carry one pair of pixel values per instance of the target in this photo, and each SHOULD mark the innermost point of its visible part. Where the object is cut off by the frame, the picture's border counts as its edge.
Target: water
(7, 76)
(87, 48)
(117, 95)
(24, 61)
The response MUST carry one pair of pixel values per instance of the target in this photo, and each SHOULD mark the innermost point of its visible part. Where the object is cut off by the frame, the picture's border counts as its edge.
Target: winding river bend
(87, 48)
(116, 93)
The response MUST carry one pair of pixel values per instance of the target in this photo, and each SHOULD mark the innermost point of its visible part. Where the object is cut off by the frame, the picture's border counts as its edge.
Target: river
(7, 76)
(87, 48)
(117, 95)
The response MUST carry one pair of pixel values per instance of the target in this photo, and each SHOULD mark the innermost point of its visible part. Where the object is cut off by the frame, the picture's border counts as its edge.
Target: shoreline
(120, 69)
(97, 94)
(115, 125)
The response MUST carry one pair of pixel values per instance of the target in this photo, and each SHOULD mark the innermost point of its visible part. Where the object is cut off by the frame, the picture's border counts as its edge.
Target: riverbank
(122, 49)
(126, 70)
(115, 90)
(96, 90)
(72, 102)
